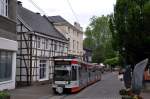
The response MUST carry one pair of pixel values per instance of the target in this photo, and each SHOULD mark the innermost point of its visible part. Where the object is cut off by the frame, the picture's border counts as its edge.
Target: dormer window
(4, 7)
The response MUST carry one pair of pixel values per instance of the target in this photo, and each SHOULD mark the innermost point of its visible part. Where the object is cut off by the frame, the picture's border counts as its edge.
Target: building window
(77, 34)
(69, 29)
(46, 44)
(39, 42)
(42, 69)
(43, 43)
(55, 46)
(5, 66)
(62, 47)
(50, 45)
(77, 45)
(73, 44)
(65, 48)
(4, 7)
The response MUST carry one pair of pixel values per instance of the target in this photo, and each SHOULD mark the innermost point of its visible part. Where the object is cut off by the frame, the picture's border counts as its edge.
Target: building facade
(38, 42)
(87, 56)
(8, 44)
(73, 33)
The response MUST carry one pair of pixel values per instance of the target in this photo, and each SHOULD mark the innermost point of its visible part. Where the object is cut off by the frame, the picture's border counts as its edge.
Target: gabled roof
(60, 20)
(38, 23)
(57, 19)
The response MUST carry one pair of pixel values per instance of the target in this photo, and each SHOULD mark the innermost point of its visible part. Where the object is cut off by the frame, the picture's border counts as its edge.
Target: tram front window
(62, 75)
(74, 74)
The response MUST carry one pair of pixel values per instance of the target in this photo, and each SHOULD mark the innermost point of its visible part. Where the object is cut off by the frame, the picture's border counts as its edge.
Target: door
(43, 70)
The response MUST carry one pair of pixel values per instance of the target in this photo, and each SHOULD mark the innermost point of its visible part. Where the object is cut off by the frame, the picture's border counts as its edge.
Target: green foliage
(112, 61)
(130, 29)
(99, 38)
(98, 55)
(146, 13)
(4, 95)
(89, 43)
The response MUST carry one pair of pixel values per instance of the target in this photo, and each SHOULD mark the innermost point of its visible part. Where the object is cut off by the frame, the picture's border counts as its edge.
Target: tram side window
(80, 71)
(74, 73)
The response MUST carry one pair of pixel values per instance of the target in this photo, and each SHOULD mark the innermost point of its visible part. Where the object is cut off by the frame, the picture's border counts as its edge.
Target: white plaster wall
(6, 44)
(40, 53)
(72, 34)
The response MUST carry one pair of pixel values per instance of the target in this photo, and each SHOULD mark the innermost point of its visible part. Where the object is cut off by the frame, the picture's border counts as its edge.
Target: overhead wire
(74, 13)
(43, 12)
(35, 5)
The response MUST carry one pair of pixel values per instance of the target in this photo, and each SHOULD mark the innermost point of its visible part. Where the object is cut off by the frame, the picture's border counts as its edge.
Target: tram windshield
(62, 75)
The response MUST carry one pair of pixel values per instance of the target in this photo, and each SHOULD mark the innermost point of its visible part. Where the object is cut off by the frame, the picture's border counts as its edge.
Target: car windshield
(61, 75)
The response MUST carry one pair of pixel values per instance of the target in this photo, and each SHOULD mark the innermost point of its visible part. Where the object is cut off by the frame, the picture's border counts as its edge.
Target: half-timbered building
(38, 42)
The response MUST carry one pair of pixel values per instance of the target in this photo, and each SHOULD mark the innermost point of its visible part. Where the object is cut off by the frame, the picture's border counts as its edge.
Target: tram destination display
(62, 62)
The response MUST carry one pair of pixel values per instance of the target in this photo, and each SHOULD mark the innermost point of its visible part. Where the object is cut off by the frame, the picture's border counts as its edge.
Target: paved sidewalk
(32, 92)
(146, 95)
(146, 91)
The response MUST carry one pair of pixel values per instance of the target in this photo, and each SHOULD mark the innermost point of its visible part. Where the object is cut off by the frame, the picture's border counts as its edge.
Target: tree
(112, 62)
(130, 29)
(98, 38)
(88, 41)
(98, 55)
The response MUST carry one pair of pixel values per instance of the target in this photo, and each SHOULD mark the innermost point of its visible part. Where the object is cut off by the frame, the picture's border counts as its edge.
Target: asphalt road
(107, 88)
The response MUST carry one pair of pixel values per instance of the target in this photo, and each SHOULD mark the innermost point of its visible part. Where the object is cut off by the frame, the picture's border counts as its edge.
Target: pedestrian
(120, 75)
(127, 77)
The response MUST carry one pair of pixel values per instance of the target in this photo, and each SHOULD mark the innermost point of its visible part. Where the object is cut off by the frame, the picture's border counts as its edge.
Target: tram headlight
(67, 82)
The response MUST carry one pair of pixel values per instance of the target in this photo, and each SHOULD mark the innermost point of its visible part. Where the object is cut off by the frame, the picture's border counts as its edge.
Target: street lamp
(123, 49)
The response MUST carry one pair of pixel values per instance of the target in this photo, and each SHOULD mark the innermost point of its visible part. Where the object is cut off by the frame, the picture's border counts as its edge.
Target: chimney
(38, 13)
(77, 25)
(19, 3)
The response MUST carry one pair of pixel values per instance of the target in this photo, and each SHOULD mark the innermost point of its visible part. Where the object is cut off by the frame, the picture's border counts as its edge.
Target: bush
(4, 95)
(127, 94)
(112, 61)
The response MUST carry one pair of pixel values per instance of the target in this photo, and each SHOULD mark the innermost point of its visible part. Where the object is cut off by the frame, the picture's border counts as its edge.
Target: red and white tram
(71, 75)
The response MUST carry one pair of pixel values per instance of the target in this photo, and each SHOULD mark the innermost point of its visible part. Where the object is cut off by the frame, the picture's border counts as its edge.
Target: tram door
(83, 76)
(74, 74)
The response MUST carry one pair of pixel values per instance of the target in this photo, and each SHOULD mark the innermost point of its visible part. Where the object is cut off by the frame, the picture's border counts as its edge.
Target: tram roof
(66, 57)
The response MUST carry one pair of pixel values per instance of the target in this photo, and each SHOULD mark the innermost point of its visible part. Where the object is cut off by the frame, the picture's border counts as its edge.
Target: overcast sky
(84, 9)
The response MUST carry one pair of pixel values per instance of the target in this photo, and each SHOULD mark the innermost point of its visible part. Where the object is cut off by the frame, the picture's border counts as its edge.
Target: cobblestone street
(107, 88)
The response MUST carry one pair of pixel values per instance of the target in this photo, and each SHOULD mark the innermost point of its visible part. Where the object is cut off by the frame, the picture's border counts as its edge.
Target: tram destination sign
(62, 62)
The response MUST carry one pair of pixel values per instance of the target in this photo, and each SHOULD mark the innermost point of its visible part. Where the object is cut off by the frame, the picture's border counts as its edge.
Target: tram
(72, 75)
